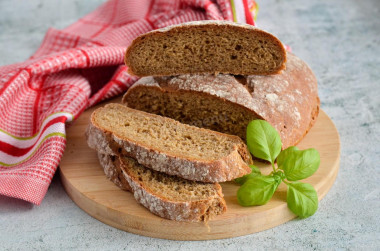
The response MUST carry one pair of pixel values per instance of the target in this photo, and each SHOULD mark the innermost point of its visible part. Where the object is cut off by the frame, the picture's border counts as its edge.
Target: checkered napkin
(74, 69)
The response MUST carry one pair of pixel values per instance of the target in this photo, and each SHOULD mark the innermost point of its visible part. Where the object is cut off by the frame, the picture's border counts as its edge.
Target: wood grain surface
(87, 185)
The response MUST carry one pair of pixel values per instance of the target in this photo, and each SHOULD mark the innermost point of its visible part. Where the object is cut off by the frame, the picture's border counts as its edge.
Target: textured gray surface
(340, 39)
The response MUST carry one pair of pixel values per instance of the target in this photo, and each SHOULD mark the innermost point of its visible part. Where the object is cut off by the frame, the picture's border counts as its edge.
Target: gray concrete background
(340, 40)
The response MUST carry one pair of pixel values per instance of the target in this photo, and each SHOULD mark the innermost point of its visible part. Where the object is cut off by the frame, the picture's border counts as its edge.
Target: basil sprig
(264, 142)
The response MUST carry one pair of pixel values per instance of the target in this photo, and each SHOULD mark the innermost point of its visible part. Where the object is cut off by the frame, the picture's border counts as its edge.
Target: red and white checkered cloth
(74, 69)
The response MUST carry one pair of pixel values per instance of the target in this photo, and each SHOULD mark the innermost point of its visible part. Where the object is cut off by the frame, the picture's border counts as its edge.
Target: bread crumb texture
(206, 47)
(163, 134)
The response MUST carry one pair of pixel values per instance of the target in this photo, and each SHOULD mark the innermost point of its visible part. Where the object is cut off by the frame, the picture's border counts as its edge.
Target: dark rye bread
(167, 196)
(226, 103)
(168, 146)
(205, 47)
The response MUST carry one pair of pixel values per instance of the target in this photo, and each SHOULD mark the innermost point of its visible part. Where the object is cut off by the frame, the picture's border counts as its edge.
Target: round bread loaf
(226, 103)
(205, 47)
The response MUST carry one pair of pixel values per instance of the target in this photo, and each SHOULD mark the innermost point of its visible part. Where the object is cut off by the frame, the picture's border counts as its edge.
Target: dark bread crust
(262, 53)
(289, 100)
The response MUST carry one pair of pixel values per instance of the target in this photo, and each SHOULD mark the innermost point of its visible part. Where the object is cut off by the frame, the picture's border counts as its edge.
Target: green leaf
(263, 140)
(284, 155)
(257, 191)
(279, 175)
(299, 164)
(302, 199)
(255, 171)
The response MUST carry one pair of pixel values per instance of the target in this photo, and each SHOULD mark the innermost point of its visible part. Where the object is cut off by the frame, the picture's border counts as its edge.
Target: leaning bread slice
(205, 47)
(168, 146)
(226, 103)
(168, 196)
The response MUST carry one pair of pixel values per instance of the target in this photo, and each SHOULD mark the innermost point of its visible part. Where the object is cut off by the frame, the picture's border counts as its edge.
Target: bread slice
(168, 146)
(226, 103)
(113, 172)
(168, 196)
(205, 47)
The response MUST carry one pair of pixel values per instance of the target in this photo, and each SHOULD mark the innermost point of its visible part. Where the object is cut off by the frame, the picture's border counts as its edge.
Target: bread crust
(213, 25)
(288, 101)
(193, 211)
(227, 168)
(113, 172)
(106, 156)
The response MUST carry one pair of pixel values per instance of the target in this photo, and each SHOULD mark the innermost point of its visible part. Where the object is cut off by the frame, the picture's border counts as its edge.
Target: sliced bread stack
(171, 168)
(210, 74)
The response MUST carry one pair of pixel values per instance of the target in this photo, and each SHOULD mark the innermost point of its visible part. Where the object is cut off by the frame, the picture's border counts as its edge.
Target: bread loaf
(205, 47)
(167, 196)
(168, 146)
(226, 103)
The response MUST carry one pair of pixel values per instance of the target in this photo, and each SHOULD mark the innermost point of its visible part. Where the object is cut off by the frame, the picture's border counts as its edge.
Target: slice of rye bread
(167, 196)
(168, 146)
(226, 103)
(205, 47)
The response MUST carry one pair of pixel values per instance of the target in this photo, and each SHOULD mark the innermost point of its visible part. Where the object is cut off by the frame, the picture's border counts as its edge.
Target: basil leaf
(299, 165)
(302, 199)
(284, 155)
(255, 171)
(263, 140)
(257, 191)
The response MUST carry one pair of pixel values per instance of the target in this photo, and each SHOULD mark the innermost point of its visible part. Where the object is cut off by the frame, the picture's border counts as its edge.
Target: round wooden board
(87, 185)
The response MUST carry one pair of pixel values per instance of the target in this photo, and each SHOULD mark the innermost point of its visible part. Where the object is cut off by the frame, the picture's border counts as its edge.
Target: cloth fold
(73, 69)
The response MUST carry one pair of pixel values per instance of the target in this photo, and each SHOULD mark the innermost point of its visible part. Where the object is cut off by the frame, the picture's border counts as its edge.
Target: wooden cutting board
(87, 185)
